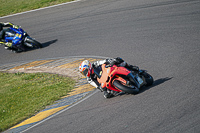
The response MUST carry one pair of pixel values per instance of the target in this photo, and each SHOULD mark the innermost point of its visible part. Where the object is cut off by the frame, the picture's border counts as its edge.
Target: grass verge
(23, 95)
(8, 7)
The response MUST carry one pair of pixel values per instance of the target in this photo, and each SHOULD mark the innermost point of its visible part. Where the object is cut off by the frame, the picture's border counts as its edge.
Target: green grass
(8, 7)
(23, 95)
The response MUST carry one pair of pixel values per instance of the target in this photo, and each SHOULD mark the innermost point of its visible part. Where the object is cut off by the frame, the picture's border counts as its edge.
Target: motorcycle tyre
(35, 43)
(149, 79)
(125, 89)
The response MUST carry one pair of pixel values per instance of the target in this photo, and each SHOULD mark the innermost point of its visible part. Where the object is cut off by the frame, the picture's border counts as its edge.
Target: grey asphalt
(161, 36)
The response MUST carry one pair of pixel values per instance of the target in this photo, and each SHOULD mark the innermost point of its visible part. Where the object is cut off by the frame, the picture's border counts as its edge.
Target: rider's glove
(95, 64)
(8, 44)
(109, 61)
(114, 61)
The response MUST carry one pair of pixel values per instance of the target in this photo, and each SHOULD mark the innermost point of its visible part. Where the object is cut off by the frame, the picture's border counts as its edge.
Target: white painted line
(60, 111)
(81, 56)
(40, 9)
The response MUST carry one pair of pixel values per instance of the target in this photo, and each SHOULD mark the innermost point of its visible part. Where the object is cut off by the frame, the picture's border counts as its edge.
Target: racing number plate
(139, 80)
(18, 35)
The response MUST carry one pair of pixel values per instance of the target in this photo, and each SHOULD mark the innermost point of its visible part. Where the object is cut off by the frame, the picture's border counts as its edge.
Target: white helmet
(85, 68)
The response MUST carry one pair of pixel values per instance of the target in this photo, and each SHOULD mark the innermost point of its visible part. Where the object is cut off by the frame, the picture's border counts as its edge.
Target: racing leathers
(92, 79)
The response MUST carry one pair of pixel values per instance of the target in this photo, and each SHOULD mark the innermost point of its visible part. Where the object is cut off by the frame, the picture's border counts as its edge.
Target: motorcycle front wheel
(33, 43)
(124, 88)
(148, 78)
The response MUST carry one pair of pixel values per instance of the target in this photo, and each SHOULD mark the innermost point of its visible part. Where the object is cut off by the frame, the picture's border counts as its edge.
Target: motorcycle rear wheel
(124, 88)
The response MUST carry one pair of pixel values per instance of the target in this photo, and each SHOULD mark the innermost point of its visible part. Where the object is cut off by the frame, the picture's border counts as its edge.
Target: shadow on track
(156, 83)
(46, 44)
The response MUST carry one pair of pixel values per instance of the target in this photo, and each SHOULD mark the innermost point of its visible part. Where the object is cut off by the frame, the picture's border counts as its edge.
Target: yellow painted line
(72, 64)
(32, 64)
(79, 90)
(40, 116)
(82, 89)
(76, 63)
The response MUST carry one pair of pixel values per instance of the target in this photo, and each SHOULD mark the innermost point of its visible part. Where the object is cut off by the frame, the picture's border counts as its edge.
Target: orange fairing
(104, 76)
(108, 73)
(123, 81)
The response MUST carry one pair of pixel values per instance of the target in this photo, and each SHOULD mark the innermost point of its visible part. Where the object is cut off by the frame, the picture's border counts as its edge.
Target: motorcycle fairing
(14, 35)
(108, 73)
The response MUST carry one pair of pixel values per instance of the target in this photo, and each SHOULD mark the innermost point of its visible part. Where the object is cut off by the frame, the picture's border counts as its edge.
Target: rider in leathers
(87, 69)
(8, 45)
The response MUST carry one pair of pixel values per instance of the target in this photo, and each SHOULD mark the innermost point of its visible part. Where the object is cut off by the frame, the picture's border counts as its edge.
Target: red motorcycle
(120, 79)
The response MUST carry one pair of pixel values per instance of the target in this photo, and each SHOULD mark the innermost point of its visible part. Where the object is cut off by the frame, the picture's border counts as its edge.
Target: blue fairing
(14, 35)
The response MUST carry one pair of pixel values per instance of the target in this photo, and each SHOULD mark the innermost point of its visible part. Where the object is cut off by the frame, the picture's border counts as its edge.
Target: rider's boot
(108, 93)
(20, 48)
(7, 48)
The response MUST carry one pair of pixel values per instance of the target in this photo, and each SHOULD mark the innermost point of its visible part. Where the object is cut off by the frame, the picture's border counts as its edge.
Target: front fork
(26, 43)
(132, 78)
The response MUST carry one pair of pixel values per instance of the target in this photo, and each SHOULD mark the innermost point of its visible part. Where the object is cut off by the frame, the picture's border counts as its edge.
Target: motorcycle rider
(8, 45)
(87, 69)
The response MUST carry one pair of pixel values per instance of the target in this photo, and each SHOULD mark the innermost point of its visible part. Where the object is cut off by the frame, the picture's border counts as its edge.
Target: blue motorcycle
(20, 37)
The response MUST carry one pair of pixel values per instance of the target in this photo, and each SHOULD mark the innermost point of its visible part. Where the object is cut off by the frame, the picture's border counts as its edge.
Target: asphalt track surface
(161, 36)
